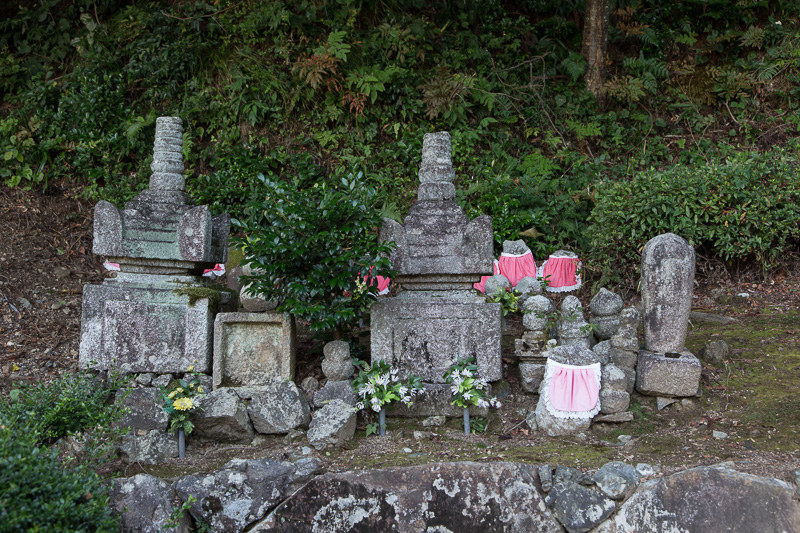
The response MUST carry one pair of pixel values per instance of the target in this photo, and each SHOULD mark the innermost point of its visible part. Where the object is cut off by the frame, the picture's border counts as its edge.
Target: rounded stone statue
(668, 263)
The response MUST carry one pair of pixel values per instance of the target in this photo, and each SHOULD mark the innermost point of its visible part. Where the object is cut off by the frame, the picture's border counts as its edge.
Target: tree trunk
(595, 41)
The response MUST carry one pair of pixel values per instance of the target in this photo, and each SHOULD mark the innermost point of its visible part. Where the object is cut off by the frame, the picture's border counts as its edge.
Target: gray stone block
(531, 376)
(148, 447)
(137, 323)
(605, 303)
(624, 358)
(605, 327)
(335, 390)
(613, 378)
(527, 287)
(222, 416)
(556, 427)
(333, 425)
(614, 401)
(668, 375)
(253, 349)
(603, 350)
(616, 479)
(425, 338)
(437, 163)
(668, 264)
(143, 409)
(145, 504)
(515, 247)
(276, 408)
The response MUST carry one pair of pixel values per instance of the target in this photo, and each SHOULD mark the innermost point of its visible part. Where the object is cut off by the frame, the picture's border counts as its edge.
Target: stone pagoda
(438, 316)
(156, 315)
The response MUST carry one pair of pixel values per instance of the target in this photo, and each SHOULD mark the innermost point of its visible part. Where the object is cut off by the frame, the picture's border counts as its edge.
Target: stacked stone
(338, 368)
(167, 165)
(665, 367)
(573, 328)
(605, 308)
(624, 345)
(531, 348)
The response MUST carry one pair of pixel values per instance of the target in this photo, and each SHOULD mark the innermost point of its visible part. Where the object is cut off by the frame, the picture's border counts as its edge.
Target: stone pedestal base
(668, 375)
(138, 323)
(253, 349)
(425, 337)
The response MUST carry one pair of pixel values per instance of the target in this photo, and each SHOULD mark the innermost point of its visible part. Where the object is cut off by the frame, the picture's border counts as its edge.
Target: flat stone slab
(426, 337)
(252, 349)
(668, 375)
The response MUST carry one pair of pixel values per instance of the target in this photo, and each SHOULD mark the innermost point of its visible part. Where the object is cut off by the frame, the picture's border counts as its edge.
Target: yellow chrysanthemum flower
(190, 368)
(172, 394)
(200, 390)
(183, 404)
(179, 389)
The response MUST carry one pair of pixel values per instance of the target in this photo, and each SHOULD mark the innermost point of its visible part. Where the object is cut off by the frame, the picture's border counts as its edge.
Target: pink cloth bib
(563, 273)
(516, 267)
(572, 391)
(481, 285)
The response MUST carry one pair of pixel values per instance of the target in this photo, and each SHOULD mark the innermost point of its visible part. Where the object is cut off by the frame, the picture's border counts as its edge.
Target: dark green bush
(313, 247)
(745, 207)
(41, 490)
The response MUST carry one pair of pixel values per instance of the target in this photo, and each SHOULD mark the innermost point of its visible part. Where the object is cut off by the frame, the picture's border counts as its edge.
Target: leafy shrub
(40, 491)
(313, 247)
(745, 207)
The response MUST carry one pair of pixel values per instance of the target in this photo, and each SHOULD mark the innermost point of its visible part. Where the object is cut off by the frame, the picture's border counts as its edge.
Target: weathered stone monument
(437, 317)
(665, 367)
(157, 315)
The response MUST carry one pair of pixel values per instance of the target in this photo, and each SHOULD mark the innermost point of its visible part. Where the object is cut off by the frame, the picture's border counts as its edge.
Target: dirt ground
(752, 397)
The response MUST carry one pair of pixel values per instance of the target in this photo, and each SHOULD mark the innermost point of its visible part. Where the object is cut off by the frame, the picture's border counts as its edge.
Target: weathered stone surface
(605, 303)
(546, 477)
(527, 287)
(578, 508)
(722, 499)
(337, 365)
(616, 479)
(624, 358)
(668, 263)
(663, 375)
(425, 338)
(497, 284)
(614, 401)
(434, 498)
(531, 376)
(144, 504)
(163, 381)
(143, 409)
(222, 416)
(573, 355)
(253, 349)
(243, 491)
(437, 162)
(535, 310)
(276, 408)
(148, 447)
(715, 352)
(137, 323)
(310, 384)
(662, 403)
(335, 390)
(434, 421)
(144, 379)
(629, 321)
(333, 425)
(603, 350)
(613, 378)
(614, 418)
(515, 247)
(556, 427)
(605, 327)
(566, 474)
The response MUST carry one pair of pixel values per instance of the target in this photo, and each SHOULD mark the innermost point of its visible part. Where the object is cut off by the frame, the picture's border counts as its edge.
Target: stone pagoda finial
(167, 165)
(436, 173)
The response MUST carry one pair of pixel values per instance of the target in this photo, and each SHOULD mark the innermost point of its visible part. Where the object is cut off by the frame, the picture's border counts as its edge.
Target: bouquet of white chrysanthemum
(467, 388)
(379, 385)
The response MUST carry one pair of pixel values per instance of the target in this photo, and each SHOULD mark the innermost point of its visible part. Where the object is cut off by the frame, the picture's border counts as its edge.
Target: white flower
(467, 395)
(374, 400)
(376, 408)
(402, 390)
(779, 23)
(362, 391)
(482, 403)
(370, 388)
(466, 373)
(454, 389)
(359, 406)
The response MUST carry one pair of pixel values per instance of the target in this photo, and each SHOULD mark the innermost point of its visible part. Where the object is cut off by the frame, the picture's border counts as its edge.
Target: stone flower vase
(382, 421)
(181, 444)
(466, 420)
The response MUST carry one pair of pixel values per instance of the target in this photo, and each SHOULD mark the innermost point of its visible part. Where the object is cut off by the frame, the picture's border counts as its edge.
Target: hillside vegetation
(696, 129)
